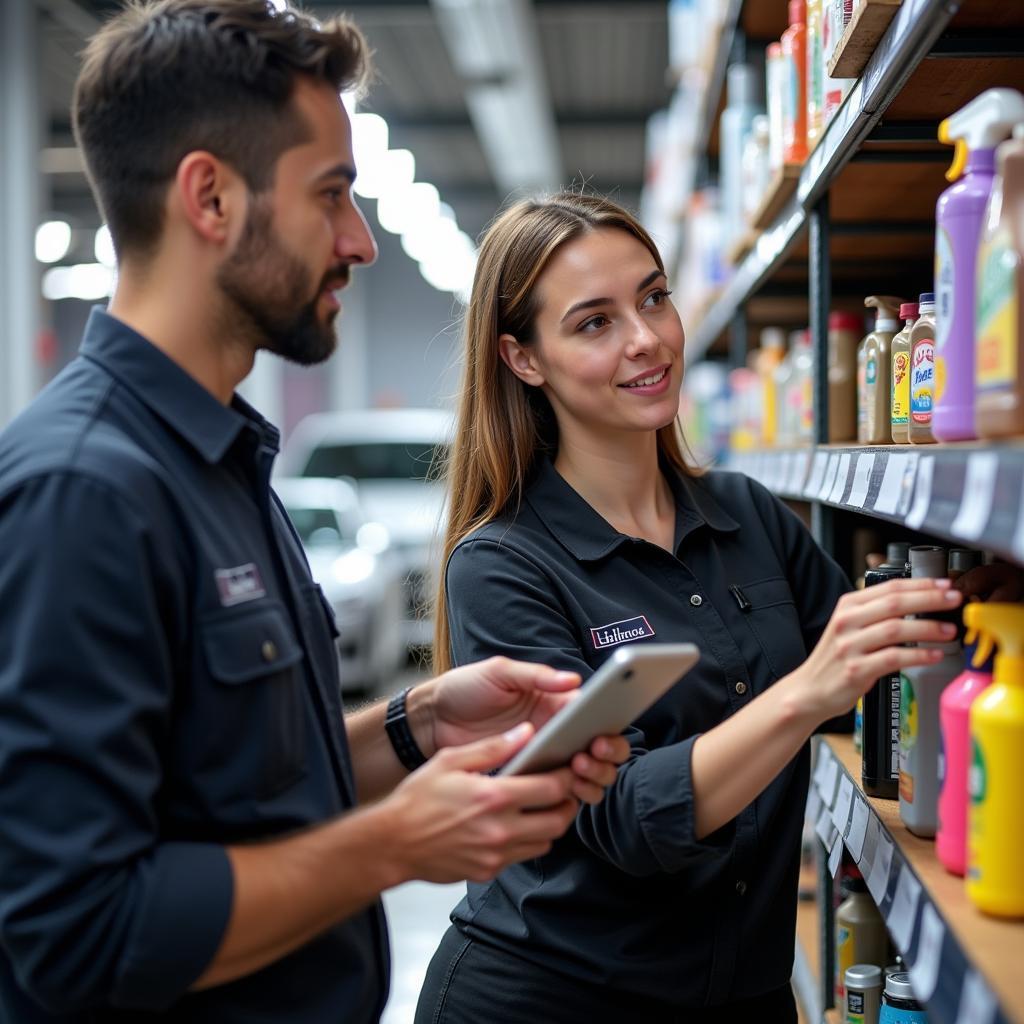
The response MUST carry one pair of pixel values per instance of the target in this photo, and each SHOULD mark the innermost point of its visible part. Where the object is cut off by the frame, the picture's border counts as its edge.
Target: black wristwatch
(396, 724)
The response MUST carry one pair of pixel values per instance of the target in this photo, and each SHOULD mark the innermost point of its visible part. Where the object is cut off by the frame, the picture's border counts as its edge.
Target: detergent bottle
(769, 356)
(998, 320)
(995, 815)
(874, 372)
(975, 130)
(954, 712)
(922, 370)
(900, 350)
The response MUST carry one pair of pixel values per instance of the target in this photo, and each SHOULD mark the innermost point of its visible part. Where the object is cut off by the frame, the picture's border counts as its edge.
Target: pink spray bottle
(955, 757)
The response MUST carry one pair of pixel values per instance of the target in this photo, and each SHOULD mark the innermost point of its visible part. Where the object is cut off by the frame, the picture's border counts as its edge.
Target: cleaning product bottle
(900, 349)
(962, 560)
(998, 321)
(880, 732)
(801, 389)
(954, 712)
(776, 84)
(995, 824)
(794, 54)
(844, 334)
(873, 372)
(785, 432)
(737, 121)
(921, 687)
(769, 355)
(976, 130)
(815, 74)
(922, 370)
(861, 937)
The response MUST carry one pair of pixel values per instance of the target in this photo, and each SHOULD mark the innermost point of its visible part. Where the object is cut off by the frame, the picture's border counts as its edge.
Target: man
(178, 836)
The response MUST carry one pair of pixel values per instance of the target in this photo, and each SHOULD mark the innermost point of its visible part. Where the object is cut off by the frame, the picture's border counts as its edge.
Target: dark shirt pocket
(256, 700)
(773, 619)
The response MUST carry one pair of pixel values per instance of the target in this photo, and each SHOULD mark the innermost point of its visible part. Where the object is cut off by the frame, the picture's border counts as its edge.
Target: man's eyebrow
(590, 303)
(342, 170)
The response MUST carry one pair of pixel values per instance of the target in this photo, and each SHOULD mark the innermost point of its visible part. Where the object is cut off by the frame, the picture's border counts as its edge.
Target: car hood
(410, 510)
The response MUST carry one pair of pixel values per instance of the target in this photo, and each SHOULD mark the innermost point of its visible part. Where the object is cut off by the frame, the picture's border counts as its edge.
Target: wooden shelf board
(743, 244)
(940, 86)
(780, 188)
(992, 944)
(764, 20)
(860, 39)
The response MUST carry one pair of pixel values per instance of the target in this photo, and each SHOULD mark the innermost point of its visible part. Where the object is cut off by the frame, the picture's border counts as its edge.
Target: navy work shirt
(168, 685)
(632, 900)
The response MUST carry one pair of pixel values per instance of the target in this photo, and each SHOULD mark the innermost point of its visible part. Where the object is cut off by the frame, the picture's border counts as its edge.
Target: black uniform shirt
(168, 685)
(632, 899)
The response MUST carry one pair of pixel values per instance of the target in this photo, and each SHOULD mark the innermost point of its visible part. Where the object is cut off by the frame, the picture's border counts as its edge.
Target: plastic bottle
(755, 172)
(835, 17)
(801, 389)
(880, 740)
(962, 560)
(736, 123)
(921, 687)
(794, 55)
(873, 372)
(999, 320)
(776, 84)
(899, 1004)
(844, 334)
(815, 74)
(900, 349)
(995, 824)
(954, 720)
(976, 130)
(769, 356)
(922, 370)
(861, 937)
(863, 984)
(785, 433)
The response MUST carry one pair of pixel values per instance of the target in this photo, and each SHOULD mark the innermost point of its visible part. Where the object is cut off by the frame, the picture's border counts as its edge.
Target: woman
(573, 509)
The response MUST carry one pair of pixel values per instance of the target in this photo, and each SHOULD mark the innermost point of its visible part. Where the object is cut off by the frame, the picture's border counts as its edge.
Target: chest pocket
(773, 619)
(257, 697)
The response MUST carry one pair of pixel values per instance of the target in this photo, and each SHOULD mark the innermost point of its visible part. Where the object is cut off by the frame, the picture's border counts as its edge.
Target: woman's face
(608, 342)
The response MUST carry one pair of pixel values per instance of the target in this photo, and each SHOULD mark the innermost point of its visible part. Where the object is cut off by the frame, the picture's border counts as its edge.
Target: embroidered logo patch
(242, 583)
(621, 632)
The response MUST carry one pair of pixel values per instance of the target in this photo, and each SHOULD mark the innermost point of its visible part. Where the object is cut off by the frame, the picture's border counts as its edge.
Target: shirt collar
(177, 398)
(588, 536)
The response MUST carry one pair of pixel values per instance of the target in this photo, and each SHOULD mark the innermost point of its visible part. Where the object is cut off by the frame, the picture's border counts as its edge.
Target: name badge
(621, 632)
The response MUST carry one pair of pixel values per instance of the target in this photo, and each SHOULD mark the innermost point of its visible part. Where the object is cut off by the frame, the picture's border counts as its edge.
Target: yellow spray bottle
(995, 814)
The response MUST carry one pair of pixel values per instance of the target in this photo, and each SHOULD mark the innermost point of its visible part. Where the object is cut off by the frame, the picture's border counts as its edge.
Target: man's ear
(210, 195)
(520, 360)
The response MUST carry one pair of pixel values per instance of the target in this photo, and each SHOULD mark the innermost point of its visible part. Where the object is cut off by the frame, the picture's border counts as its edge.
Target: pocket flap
(768, 592)
(250, 642)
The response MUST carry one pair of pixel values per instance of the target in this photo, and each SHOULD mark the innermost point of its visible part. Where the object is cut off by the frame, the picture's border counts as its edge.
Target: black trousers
(470, 982)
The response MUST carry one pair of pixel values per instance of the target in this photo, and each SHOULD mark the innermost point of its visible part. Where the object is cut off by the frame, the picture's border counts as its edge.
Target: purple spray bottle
(975, 130)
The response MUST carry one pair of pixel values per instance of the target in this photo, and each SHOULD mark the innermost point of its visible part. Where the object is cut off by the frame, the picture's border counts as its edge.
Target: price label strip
(891, 488)
(977, 1003)
(924, 974)
(817, 476)
(861, 481)
(842, 475)
(841, 811)
(903, 912)
(922, 493)
(858, 829)
(979, 492)
(828, 785)
(830, 477)
(835, 856)
(878, 880)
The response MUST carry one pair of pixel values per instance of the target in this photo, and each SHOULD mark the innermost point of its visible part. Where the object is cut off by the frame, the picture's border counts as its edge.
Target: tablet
(621, 690)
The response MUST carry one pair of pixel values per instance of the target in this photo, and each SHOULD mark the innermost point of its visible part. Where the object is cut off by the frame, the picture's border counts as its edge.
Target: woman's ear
(520, 360)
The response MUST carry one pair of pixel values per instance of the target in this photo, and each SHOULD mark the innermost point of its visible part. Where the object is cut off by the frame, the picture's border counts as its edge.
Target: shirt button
(741, 687)
(741, 887)
(268, 650)
(696, 600)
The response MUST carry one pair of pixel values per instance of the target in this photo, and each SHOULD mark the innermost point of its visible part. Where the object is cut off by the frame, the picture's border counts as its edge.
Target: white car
(389, 455)
(360, 575)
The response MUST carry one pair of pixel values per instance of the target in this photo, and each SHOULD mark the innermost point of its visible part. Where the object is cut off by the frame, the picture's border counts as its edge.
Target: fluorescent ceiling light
(88, 281)
(53, 239)
(103, 247)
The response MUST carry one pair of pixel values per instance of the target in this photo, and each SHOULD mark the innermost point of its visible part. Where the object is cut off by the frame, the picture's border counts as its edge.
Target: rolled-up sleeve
(97, 908)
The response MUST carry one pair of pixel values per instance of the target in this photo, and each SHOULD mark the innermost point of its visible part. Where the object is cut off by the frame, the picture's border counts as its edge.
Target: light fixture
(103, 247)
(86, 281)
(53, 239)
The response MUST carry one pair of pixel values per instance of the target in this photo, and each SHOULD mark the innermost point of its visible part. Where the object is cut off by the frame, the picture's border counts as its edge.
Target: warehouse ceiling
(601, 64)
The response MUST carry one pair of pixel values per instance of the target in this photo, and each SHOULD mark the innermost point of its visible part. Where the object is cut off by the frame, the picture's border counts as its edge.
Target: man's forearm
(288, 891)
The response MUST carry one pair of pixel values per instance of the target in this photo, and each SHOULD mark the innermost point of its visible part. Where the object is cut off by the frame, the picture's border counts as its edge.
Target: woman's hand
(863, 639)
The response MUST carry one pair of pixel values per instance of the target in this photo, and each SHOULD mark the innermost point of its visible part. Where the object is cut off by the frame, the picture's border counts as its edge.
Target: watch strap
(396, 724)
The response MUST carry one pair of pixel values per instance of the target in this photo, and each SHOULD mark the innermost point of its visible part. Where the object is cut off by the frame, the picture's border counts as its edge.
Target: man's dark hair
(165, 78)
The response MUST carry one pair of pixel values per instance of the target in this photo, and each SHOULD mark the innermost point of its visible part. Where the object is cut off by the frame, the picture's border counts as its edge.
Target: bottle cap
(863, 976)
(774, 50)
(742, 86)
(797, 12)
(926, 297)
(897, 552)
(841, 321)
(908, 311)
(963, 559)
(773, 337)
(928, 561)
(898, 986)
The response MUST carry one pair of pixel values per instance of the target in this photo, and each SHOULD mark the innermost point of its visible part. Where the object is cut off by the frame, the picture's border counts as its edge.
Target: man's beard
(263, 282)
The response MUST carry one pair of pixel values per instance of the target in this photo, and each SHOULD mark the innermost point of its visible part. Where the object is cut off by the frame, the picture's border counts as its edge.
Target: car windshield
(375, 460)
(318, 527)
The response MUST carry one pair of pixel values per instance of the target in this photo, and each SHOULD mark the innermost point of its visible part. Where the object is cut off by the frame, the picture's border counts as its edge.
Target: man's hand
(492, 696)
(995, 582)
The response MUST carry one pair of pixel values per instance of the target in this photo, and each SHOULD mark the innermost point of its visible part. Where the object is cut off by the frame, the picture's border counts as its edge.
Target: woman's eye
(657, 297)
(594, 323)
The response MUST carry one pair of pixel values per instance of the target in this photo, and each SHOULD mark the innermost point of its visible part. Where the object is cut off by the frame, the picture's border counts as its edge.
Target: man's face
(300, 238)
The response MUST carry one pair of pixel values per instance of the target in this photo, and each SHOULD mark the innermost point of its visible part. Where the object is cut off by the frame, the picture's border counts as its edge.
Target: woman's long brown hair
(503, 425)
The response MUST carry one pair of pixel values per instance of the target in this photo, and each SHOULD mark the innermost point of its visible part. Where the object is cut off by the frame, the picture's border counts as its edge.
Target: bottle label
(854, 1007)
(922, 381)
(908, 737)
(900, 388)
(871, 372)
(945, 294)
(997, 321)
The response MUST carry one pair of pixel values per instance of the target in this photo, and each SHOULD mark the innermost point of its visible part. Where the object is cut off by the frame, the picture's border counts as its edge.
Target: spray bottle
(874, 372)
(921, 687)
(975, 130)
(995, 825)
(954, 710)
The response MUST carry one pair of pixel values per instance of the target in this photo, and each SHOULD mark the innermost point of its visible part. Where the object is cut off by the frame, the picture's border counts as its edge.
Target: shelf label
(841, 811)
(813, 808)
(828, 782)
(817, 476)
(842, 475)
(977, 1003)
(830, 477)
(858, 829)
(797, 472)
(922, 493)
(924, 974)
(878, 879)
(889, 492)
(979, 491)
(835, 855)
(861, 480)
(903, 912)
(824, 828)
